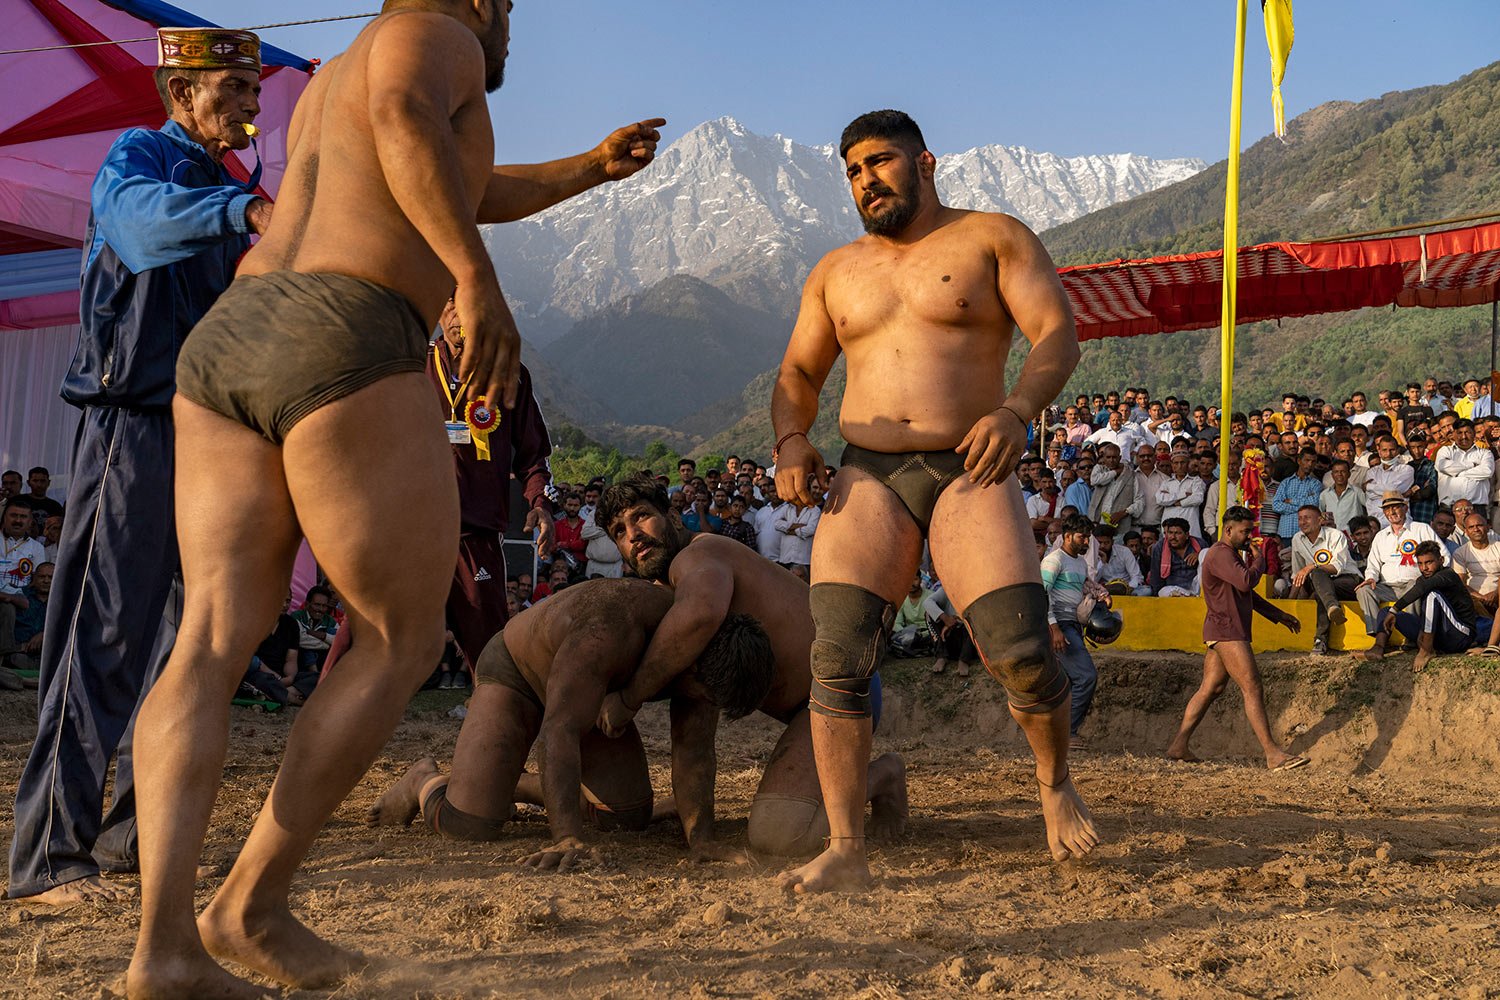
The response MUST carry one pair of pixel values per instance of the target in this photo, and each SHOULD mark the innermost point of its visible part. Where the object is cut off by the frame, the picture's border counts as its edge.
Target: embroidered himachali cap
(207, 48)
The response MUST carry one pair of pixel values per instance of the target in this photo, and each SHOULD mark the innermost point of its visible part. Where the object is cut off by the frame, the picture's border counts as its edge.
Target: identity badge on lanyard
(458, 430)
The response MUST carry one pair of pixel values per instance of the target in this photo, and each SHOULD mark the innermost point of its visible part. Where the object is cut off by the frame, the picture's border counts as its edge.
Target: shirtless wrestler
(713, 576)
(301, 395)
(924, 308)
(547, 674)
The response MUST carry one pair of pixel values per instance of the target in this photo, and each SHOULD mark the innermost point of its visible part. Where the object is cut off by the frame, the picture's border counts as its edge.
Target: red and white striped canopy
(1127, 298)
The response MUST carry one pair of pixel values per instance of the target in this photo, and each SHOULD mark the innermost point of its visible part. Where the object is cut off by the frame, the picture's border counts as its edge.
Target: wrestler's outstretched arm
(426, 69)
(703, 587)
(1034, 297)
(695, 770)
(809, 357)
(575, 689)
(517, 190)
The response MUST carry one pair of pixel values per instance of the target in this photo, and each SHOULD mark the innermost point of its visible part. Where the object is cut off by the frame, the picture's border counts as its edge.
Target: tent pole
(1231, 262)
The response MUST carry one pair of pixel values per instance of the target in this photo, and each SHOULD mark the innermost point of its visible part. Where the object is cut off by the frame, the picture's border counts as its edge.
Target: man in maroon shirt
(1229, 593)
(518, 444)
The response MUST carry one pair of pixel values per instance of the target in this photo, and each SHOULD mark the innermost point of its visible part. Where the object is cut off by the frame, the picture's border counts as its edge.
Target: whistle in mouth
(250, 130)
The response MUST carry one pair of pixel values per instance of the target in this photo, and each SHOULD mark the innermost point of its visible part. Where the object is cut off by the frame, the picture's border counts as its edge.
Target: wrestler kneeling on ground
(713, 576)
(547, 674)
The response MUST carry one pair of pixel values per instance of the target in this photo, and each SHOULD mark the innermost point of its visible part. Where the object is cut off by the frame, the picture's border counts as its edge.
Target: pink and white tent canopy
(64, 107)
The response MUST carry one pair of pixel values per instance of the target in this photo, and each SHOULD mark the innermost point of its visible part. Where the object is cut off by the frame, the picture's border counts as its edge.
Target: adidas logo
(482, 575)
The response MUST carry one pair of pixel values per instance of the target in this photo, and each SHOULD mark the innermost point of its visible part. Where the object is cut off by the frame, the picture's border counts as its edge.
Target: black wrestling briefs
(497, 666)
(917, 477)
(275, 347)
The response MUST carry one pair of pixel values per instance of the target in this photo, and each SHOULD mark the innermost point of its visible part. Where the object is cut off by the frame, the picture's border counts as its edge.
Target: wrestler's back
(779, 601)
(618, 610)
(925, 334)
(335, 212)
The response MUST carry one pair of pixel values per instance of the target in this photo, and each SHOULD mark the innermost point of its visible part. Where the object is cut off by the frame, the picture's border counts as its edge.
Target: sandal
(1490, 651)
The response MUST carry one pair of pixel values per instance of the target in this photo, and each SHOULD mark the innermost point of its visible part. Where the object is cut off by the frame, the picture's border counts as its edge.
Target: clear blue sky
(1070, 77)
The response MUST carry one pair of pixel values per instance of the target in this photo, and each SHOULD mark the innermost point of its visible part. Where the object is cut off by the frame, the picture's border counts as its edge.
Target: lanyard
(448, 393)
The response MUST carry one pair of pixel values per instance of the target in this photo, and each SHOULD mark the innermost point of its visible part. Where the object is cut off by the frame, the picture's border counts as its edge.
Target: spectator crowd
(1344, 492)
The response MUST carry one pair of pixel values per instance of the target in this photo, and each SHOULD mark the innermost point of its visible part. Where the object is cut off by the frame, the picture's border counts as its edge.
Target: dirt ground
(1373, 873)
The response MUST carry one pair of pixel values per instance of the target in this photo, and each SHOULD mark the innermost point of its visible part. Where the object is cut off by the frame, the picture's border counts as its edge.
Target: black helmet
(1104, 625)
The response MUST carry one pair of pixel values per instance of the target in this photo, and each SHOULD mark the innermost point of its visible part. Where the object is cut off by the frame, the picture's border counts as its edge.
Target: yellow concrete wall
(1177, 623)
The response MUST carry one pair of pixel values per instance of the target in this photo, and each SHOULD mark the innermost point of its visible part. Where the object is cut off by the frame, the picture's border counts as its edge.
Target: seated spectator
(954, 644)
(1391, 570)
(42, 506)
(910, 635)
(735, 526)
(451, 673)
(275, 673)
(1477, 562)
(698, 517)
(1119, 570)
(1173, 566)
(10, 485)
(1444, 619)
(1298, 490)
(31, 620)
(1322, 570)
(318, 627)
(20, 555)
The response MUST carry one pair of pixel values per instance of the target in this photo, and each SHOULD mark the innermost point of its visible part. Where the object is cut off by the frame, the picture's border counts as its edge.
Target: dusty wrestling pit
(1373, 873)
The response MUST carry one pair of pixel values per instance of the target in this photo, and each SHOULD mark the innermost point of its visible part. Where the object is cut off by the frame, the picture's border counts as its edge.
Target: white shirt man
(1464, 468)
(1478, 562)
(797, 526)
(1118, 432)
(767, 538)
(1121, 565)
(1391, 568)
(1181, 495)
(1148, 480)
(1387, 475)
(1341, 500)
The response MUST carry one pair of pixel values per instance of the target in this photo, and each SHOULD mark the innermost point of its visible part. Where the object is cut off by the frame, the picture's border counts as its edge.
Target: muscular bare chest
(943, 282)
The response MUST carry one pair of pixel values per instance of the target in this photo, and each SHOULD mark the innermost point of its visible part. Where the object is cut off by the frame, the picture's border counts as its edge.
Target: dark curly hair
(627, 493)
(886, 124)
(737, 665)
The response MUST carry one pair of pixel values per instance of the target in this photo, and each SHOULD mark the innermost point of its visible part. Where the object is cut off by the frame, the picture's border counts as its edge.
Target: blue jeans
(1083, 675)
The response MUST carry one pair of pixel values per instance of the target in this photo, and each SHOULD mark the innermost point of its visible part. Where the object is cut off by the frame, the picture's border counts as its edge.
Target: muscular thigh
(866, 538)
(235, 526)
(614, 770)
(981, 541)
(492, 748)
(372, 479)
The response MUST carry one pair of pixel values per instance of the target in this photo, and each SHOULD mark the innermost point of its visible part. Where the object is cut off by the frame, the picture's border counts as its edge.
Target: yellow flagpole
(1231, 261)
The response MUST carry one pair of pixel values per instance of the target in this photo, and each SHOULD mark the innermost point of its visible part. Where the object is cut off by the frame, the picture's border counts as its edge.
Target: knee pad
(787, 826)
(445, 820)
(1009, 629)
(851, 627)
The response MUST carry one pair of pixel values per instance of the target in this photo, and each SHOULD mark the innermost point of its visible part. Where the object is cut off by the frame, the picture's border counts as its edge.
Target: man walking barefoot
(1229, 591)
(302, 387)
(923, 308)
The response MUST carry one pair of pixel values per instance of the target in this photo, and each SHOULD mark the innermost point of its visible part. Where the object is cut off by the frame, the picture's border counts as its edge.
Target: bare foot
(1070, 826)
(1420, 661)
(831, 871)
(188, 977)
(963, 669)
(400, 803)
(1374, 654)
(939, 665)
(1185, 756)
(277, 945)
(888, 803)
(89, 889)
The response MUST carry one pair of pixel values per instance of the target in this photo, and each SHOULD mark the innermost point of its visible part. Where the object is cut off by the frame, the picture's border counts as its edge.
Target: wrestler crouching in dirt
(547, 674)
(712, 577)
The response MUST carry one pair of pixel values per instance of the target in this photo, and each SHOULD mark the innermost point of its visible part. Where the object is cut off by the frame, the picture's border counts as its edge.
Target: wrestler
(713, 576)
(547, 674)
(924, 308)
(301, 395)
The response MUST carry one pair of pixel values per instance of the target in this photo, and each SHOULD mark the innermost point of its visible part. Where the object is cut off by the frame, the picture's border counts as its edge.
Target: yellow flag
(1278, 15)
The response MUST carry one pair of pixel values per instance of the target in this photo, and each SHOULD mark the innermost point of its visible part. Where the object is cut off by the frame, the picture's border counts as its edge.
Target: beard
(894, 216)
(657, 560)
(494, 43)
(494, 75)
